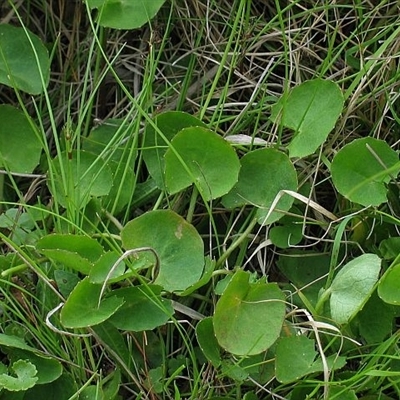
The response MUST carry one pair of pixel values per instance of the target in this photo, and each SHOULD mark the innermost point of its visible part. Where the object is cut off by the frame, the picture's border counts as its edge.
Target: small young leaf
(205, 158)
(264, 173)
(169, 123)
(311, 110)
(25, 377)
(352, 286)
(177, 243)
(361, 169)
(20, 146)
(144, 308)
(249, 316)
(18, 65)
(82, 309)
(120, 14)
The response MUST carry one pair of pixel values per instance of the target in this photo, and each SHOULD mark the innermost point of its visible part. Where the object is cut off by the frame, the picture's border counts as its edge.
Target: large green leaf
(82, 308)
(361, 169)
(352, 286)
(249, 316)
(198, 155)
(264, 173)
(19, 67)
(123, 14)
(178, 245)
(78, 252)
(144, 308)
(86, 176)
(20, 146)
(311, 110)
(169, 123)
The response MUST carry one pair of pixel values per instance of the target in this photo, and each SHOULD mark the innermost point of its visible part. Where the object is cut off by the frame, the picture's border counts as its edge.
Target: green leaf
(208, 342)
(113, 339)
(311, 110)
(62, 389)
(361, 169)
(176, 242)
(264, 173)
(86, 176)
(289, 231)
(294, 357)
(82, 309)
(388, 287)
(144, 308)
(242, 313)
(66, 281)
(390, 248)
(25, 377)
(352, 286)
(18, 64)
(205, 159)
(48, 369)
(78, 252)
(376, 320)
(122, 14)
(20, 146)
(169, 123)
(92, 392)
(102, 267)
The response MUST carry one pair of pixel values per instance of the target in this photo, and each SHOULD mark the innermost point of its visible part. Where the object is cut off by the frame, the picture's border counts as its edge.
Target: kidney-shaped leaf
(19, 67)
(169, 123)
(122, 14)
(311, 110)
(86, 176)
(264, 173)
(361, 169)
(144, 308)
(82, 307)
(388, 288)
(249, 316)
(78, 252)
(176, 242)
(20, 147)
(352, 286)
(198, 155)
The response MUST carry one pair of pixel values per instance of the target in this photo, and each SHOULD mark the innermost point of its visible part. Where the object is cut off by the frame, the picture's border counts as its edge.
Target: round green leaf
(143, 310)
(264, 173)
(311, 110)
(169, 123)
(122, 14)
(82, 309)
(352, 286)
(86, 176)
(20, 146)
(204, 158)
(361, 169)
(249, 316)
(176, 242)
(18, 64)
(388, 288)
